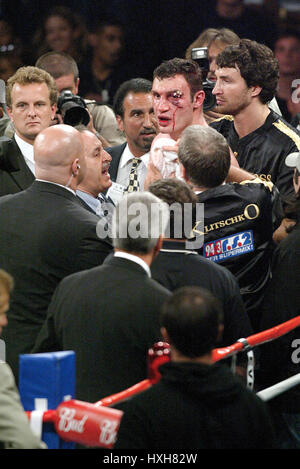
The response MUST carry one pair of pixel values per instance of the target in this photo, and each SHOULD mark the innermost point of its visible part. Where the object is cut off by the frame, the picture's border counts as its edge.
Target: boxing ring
(96, 425)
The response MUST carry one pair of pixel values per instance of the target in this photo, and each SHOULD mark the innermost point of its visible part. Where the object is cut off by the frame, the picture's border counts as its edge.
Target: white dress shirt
(27, 151)
(133, 258)
(125, 167)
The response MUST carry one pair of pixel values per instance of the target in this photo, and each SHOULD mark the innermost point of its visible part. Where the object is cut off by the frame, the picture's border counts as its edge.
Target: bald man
(45, 235)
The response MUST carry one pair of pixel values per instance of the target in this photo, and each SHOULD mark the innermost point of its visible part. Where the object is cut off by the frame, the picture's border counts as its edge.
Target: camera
(72, 109)
(200, 55)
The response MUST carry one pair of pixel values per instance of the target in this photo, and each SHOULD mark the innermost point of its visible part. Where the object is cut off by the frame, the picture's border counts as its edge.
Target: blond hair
(6, 281)
(210, 35)
(26, 76)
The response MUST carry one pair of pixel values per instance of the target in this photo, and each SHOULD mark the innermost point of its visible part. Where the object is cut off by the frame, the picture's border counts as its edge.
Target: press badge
(230, 246)
(116, 192)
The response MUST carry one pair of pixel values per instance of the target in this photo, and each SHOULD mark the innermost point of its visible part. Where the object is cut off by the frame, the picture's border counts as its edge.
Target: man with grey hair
(111, 330)
(239, 218)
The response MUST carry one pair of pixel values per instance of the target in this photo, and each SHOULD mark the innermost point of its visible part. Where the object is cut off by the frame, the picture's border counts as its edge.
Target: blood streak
(173, 119)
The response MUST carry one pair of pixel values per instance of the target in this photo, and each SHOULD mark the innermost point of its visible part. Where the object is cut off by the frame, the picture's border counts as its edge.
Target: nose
(148, 120)
(212, 66)
(216, 89)
(31, 110)
(106, 156)
(3, 321)
(162, 104)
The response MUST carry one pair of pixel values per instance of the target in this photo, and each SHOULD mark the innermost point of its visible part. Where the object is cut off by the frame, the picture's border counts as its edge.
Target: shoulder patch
(268, 184)
(227, 117)
(289, 132)
(230, 246)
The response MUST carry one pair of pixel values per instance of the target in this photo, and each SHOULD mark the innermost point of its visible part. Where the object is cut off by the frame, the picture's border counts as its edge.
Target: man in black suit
(109, 315)
(45, 235)
(31, 97)
(135, 115)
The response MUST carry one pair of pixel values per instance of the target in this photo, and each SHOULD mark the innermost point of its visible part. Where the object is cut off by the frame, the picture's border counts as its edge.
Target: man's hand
(153, 174)
(282, 231)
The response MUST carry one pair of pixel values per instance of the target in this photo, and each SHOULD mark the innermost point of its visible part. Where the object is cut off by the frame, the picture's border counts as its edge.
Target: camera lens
(210, 99)
(74, 114)
(73, 109)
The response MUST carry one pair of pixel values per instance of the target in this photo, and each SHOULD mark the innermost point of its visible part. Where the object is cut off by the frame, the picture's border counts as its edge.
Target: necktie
(133, 177)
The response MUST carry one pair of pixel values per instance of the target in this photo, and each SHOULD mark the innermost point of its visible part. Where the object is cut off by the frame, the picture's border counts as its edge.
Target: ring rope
(69, 413)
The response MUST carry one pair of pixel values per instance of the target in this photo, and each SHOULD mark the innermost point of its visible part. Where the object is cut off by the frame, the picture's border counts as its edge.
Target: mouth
(163, 121)
(151, 134)
(105, 169)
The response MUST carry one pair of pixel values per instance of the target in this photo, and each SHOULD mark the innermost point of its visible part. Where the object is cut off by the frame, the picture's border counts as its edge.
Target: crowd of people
(132, 213)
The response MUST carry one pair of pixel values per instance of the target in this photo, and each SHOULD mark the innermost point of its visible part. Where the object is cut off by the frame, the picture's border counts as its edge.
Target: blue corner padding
(49, 376)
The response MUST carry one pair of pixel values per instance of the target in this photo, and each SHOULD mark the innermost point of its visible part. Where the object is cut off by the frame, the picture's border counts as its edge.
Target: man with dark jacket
(196, 404)
(178, 265)
(135, 116)
(111, 330)
(280, 357)
(239, 218)
(31, 96)
(247, 79)
(45, 235)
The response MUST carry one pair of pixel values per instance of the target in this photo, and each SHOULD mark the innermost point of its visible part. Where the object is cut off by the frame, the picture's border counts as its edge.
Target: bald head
(59, 155)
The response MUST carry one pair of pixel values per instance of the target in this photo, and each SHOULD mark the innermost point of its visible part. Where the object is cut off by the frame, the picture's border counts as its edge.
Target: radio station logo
(230, 246)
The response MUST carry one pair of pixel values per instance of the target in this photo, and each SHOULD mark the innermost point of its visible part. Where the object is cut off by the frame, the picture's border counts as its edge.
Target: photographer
(204, 50)
(64, 70)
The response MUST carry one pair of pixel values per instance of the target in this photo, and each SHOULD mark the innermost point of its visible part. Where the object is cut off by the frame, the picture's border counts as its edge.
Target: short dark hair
(175, 193)
(256, 63)
(191, 317)
(205, 156)
(188, 68)
(288, 32)
(135, 85)
(58, 64)
(97, 25)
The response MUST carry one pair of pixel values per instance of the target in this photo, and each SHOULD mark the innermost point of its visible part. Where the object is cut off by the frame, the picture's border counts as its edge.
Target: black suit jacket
(45, 235)
(15, 175)
(175, 267)
(109, 316)
(116, 153)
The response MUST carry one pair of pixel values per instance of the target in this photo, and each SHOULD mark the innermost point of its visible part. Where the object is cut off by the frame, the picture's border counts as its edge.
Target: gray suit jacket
(15, 432)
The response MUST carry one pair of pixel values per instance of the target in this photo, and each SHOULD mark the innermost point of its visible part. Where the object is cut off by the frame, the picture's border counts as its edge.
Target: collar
(176, 246)
(136, 259)
(271, 117)
(27, 151)
(127, 156)
(55, 184)
(89, 199)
